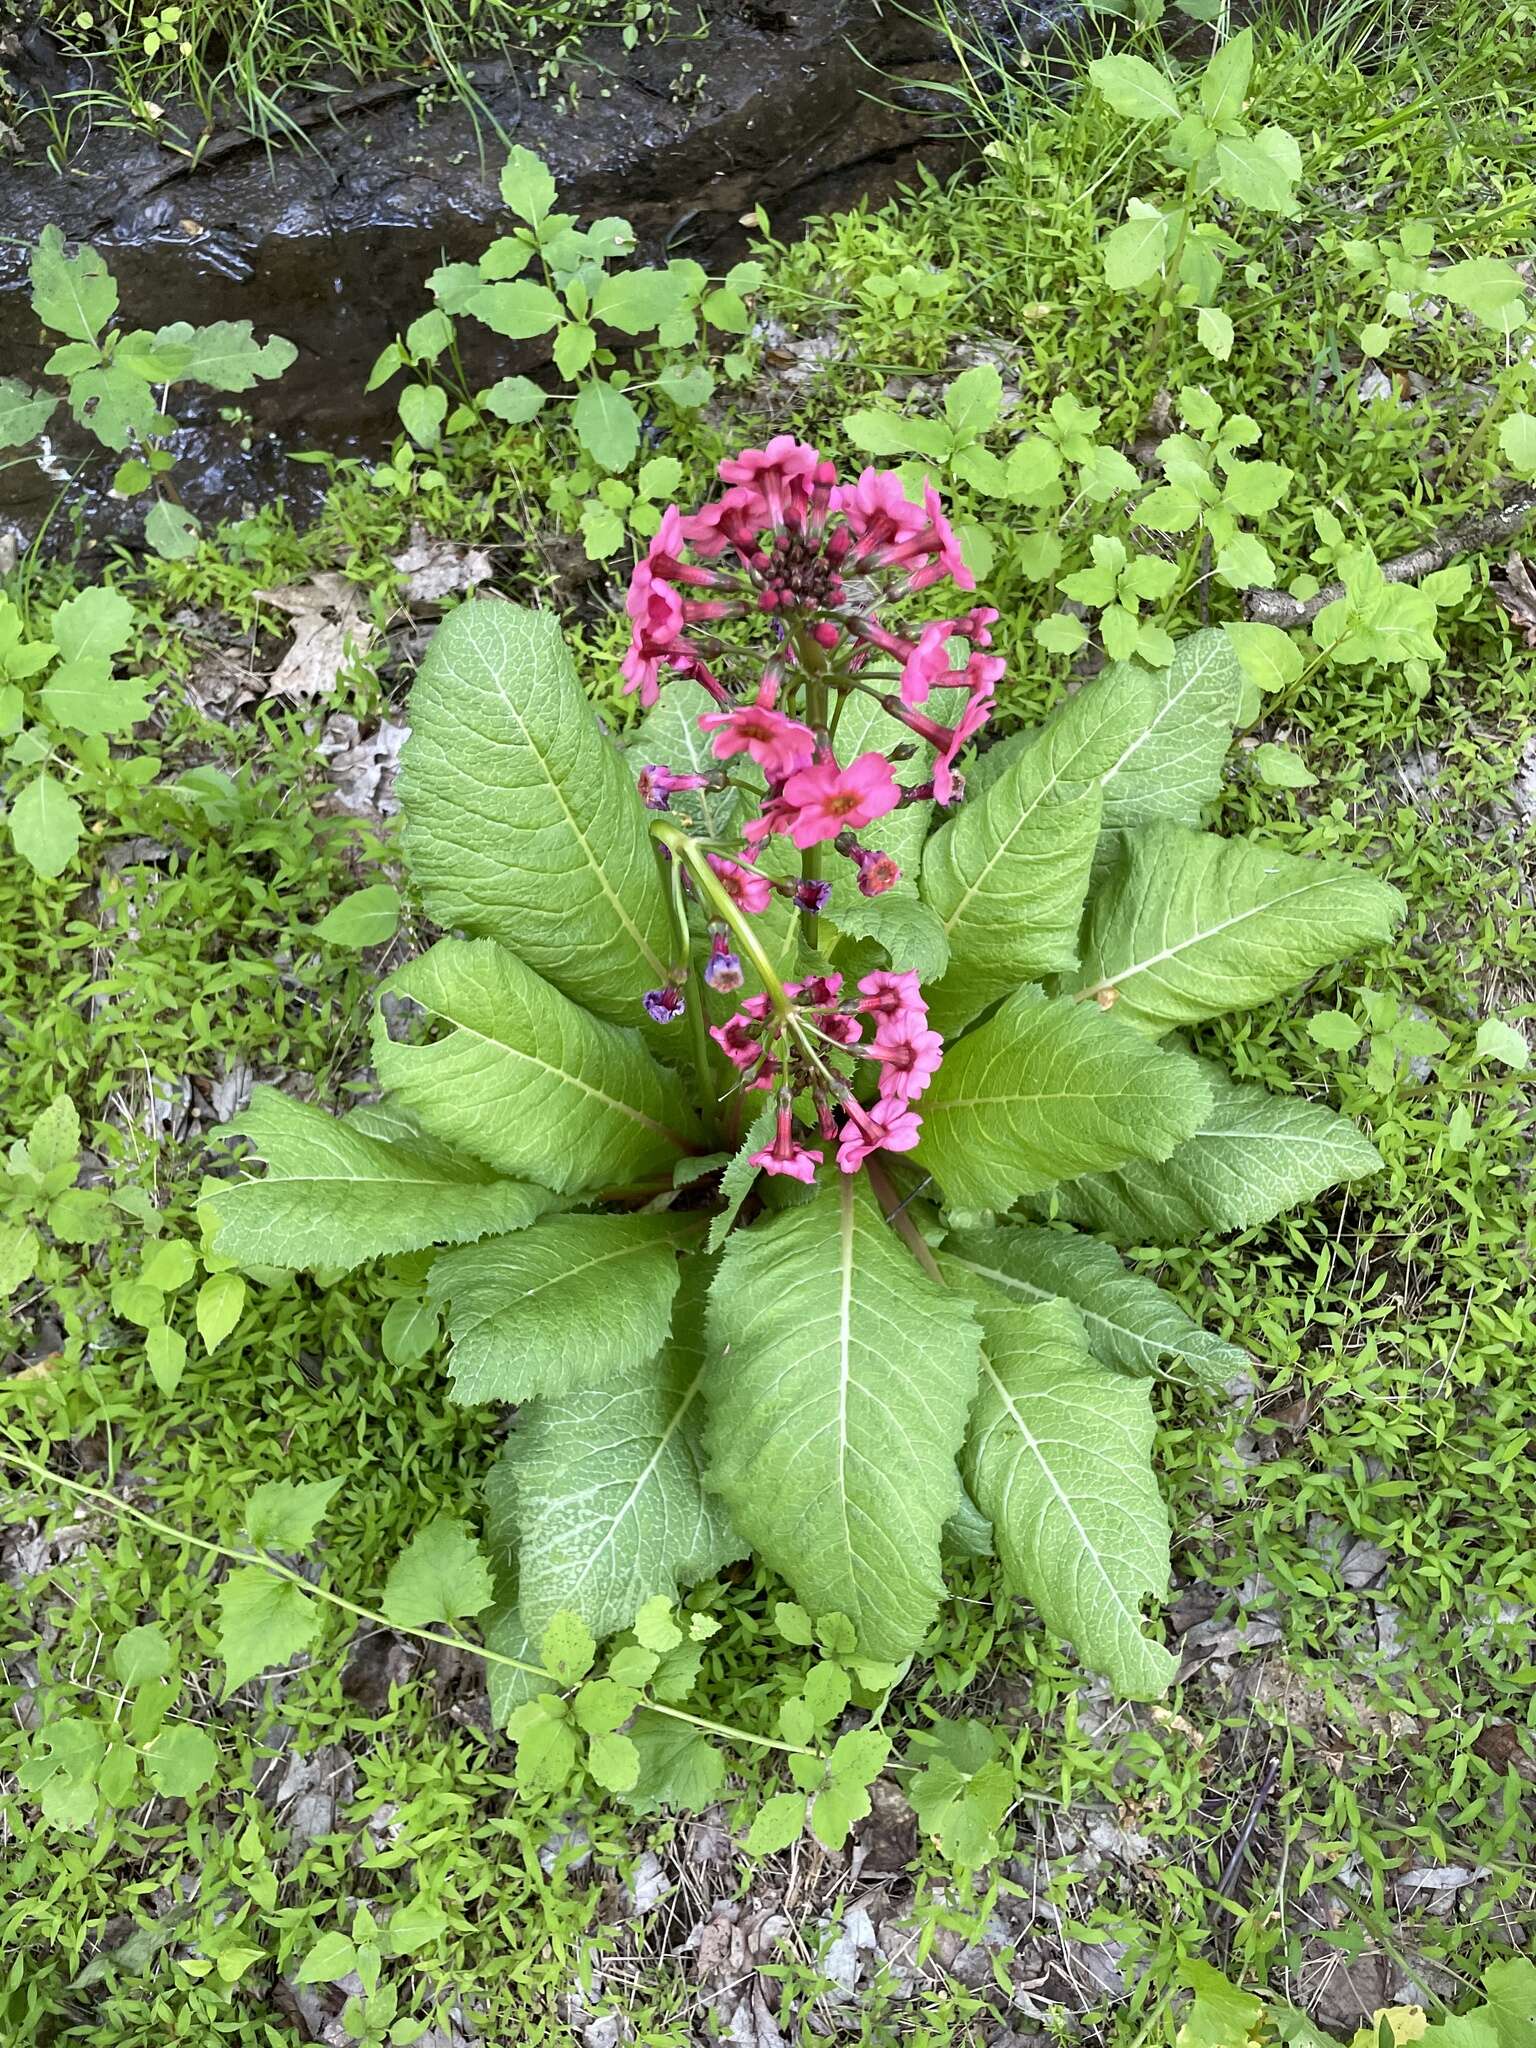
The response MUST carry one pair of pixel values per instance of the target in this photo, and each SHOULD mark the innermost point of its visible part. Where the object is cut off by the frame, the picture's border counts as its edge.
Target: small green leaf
(171, 530)
(566, 1648)
(423, 408)
(54, 1139)
(170, 1265)
(332, 1958)
(527, 185)
(142, 1654)
(547, 1744)
(1215, 331)
(514, 399)
(1135, 88)
(688, 388)
(283, 1514)
(166, 1350)
(655, 1628)
(263, 1622)
(614, 1762)
(793, 1623)
(46, 825)
(779, 1821)
(1282, 769)
(440, 1576)
(1517, 439)
(1335, 1029)
(606, 424)
(368, 917)
(1499, 1041)
(23, 413)
(180, 1761)
(74, 295)
(220, 1300)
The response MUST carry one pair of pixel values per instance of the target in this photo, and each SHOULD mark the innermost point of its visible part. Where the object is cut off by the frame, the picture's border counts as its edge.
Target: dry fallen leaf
(1518, 596)
(330, 630)
(435, 569)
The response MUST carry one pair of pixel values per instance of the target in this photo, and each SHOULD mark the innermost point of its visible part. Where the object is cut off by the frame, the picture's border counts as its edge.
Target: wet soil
(795, 107)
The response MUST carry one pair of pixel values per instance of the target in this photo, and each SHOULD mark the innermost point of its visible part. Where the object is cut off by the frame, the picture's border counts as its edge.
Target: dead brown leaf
(435, 569)
(331, 628)
(1517, 595)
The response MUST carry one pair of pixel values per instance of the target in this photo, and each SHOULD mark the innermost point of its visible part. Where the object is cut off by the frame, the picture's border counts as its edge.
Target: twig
(1467, 537)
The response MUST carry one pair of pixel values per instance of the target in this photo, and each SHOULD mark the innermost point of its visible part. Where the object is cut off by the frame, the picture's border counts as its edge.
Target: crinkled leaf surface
(518, 1075)
(1189, 926)
(1059, 1457)
(1047, 1089)
(1128, 1320)
(838, 1383)
(522, 823)
(604, 1487)
(558, 1306)
(1007, 876)
(1166, 732)
(1252, 1155)
(333, 1196)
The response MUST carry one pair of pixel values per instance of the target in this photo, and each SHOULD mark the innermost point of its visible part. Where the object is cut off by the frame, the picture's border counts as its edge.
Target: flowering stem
(685, 848)
(698, 1025)
(810, 871)
(896, 1215)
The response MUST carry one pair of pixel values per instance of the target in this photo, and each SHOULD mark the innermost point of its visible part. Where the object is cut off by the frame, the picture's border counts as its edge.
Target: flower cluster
(778, 598)
(812, 1046)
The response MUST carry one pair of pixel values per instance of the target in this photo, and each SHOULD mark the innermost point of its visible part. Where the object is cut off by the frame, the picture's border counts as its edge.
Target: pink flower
(972, 719)
(733, 520)
(928, 662)
(826, 799)
(778, 745)
(878, 510)
(886, 1126)
(947, 560)
(657, 785)
(909, 1055)
(657, 612)
(888, 995)
(737, 1040)
(877, 871)
(782, 476)
(747, 889)
(786, 1154)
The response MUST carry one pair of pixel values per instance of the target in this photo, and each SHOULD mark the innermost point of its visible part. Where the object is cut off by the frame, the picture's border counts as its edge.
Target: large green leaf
(333, 1195)
(839, 1381)
(1059, 1459)
(1007, 876)
(1251, 1155)
(559, 1306)
(1129, 1321)
(605, 1486)
(1166, 732)
(523, 1079)
(1189, 926)
(1044, 1090)
(522, 823)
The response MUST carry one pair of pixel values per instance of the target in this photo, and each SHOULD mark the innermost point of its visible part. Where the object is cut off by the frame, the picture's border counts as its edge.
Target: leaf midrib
(1201, 937)
(556, 1073)
(614, 899)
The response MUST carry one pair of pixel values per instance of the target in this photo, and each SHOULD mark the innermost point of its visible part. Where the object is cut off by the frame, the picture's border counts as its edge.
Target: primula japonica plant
(776, 1094)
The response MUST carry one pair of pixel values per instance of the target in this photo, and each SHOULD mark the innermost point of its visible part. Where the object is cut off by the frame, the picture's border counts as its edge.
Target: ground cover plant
(1330, 1813)
(178, 69)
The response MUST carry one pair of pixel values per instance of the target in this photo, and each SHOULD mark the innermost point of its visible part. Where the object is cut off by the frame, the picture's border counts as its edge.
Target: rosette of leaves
(702, 1366)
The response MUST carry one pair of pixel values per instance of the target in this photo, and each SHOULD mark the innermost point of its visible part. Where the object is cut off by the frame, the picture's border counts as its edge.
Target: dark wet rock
(796, 107)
